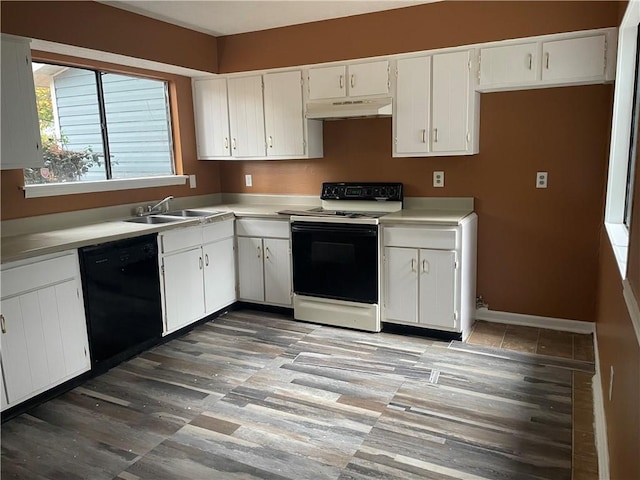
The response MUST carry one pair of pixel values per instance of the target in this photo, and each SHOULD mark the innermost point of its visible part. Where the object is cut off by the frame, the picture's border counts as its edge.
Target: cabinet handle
(2, 324)
(353, 81)
(425, 266)
(259, 251)
(270, 141)
(546, 56)
(435, 135)
(341, 82)
(200, 262)
(424, 135)
(233, 143)
(530, 60)
(206, 259)
(413, 264)
(226, 143)
(266, 253)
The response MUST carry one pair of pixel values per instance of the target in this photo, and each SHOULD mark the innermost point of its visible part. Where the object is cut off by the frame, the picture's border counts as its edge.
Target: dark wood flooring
(259, 396)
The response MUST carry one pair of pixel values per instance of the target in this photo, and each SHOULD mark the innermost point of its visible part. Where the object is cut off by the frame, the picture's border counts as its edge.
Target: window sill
(55, 189)
(619, 238)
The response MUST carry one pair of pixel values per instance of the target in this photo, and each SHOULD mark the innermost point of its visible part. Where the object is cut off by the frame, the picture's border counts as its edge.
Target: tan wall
(100, 27)
(618, 347)
(14, 205)
(422, 27)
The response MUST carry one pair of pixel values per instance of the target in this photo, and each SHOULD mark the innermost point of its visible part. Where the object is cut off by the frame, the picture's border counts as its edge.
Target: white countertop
(430, 216)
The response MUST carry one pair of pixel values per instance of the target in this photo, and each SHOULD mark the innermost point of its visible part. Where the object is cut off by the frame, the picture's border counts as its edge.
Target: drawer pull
(425, 266)
(413, 264)
(206, 259)
(259, 251)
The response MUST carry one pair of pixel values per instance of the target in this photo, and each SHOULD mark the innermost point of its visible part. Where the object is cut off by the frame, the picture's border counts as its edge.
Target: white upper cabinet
(509, 65)
(369, 78)
(412, 109)
(246, 116)
(355, 80)
(549, 61)
(453, 104)
(212, 118)
(574, 59)
(283, 114)
(20, 134)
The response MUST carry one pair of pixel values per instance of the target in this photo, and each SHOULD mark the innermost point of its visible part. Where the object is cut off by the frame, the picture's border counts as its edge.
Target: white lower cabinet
(429, 276)
(197, 273)
(44, 332)
(264, 261)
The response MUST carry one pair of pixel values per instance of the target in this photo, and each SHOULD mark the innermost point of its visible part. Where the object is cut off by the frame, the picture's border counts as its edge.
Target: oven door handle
(331, 228)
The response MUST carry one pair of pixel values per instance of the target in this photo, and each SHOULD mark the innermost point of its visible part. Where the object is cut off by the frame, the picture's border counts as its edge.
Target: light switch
(248, 181)
(192, 181)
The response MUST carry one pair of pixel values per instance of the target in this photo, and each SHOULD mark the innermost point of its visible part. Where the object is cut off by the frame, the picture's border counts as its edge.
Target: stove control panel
(362, 191)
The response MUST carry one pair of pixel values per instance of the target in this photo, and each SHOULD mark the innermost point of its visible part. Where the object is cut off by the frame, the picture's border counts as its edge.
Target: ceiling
(220, 18)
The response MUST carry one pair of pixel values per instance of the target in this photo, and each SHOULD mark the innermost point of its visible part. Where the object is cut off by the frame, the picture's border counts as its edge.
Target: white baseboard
(551, 323)
(600, 422)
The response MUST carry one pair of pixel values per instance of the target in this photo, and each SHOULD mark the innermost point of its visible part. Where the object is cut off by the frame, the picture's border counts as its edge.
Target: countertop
(20, 247)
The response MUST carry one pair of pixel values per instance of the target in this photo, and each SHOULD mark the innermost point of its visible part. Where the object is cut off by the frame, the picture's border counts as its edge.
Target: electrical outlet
(541, 179)
(611, 383)
(248, 181)
(192, 181)
(438, 179)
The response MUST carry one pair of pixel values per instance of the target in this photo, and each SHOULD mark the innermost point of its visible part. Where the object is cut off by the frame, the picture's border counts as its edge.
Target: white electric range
(336, 254)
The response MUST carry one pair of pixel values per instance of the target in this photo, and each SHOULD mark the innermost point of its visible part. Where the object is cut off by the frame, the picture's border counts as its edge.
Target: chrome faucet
(160, 206)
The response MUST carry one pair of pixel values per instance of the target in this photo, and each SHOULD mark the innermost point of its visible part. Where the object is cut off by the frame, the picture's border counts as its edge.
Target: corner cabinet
(197, 273)
(21, 144)
(437, 108)
(264, 261)
(574, 59)
(44, 331)
(429, 275)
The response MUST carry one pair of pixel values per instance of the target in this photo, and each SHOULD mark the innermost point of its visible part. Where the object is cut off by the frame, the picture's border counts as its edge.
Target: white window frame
(621, 135)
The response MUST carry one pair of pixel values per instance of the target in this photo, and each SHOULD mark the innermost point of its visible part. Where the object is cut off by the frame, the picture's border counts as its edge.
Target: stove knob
(376, 192)
(367, 192)
(391, 191)
(383, 191)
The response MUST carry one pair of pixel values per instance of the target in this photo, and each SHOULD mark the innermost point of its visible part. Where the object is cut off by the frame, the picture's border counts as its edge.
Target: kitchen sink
(153, 219)
(192, 213)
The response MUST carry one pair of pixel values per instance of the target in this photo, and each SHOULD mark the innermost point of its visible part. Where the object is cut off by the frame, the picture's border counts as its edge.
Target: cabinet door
(73, 328)
(509, 65)
(183, 288)
(283, 113)
(250, 269)
(369, 78)
(212, 118)
(327, 82)
(246, 116)
(277, 271)
(575, 59)
(401, 284)
(437, 288)
(219, 275)
(451, 83)
(15, 356)
(20, 134)
(412, 105)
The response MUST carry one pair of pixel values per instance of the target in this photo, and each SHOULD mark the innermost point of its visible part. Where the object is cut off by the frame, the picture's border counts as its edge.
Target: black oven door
(335, 260)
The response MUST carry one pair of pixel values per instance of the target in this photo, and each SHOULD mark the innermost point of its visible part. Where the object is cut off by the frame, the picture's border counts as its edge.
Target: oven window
(336, 261)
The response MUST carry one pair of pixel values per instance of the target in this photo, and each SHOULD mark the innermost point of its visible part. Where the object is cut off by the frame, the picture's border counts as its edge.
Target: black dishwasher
(121, 285)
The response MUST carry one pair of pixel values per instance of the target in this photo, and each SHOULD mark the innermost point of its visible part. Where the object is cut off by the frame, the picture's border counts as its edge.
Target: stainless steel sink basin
(153, 219)
(191, 213)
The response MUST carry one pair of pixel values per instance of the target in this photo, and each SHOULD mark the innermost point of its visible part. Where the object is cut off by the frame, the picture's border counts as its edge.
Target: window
(624, 137)
(98, 125)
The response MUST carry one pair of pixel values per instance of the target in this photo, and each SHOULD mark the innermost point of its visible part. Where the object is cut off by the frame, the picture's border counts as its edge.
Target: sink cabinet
(264, 261)
(44, 332)
(197, 273)
(429, 275)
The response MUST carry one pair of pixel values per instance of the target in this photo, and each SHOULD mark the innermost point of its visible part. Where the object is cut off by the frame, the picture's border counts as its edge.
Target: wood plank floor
(255, 395)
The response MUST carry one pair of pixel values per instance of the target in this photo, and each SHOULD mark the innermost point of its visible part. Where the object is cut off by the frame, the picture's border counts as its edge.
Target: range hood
(368, 107)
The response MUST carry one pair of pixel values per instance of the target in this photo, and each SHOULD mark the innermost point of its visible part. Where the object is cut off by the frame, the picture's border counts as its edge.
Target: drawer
(217, 231)
(39, 274)
(441, 239)
(180, 239)
(246, 227)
